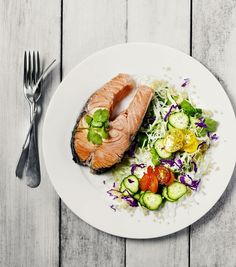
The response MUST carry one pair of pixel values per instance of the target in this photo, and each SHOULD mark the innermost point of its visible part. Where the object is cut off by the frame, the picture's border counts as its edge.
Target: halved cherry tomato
(153, 187)
(144, 182)
(163, 174)
(149, 170)
(172, 178)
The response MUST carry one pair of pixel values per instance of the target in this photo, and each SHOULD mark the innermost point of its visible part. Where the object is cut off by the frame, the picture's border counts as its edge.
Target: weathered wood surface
(155, 21)
(28, 217)
(214, 38)
(90, 25)
(34, 229)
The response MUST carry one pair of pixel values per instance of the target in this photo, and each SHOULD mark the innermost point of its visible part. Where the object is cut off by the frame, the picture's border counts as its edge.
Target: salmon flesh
(122, 129)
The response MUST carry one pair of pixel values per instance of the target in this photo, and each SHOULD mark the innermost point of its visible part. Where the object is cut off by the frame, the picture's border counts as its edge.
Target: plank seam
(61, 75)
(126, 40)
(191, 51)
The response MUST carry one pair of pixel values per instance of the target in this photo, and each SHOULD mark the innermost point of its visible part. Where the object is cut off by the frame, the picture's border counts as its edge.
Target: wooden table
(36, 228)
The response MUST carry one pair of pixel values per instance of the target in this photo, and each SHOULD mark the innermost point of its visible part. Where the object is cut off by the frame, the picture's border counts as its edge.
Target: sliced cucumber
(160, 149)
(124, 190)
(176, 190)
(152, 201)
(141, 199)
(131, 182)
(179, 120)
(165, 195)
(169, 126)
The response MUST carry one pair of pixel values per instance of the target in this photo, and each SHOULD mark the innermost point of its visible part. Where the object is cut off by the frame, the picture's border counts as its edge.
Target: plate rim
(67, 77)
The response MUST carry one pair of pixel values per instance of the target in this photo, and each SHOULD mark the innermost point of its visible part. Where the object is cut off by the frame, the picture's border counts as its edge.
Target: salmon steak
(99, 140)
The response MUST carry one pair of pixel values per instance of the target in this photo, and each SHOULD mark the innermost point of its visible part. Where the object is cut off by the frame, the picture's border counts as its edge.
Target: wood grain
(28, 217)
(214, 38)
(166, 22)
(89, 25)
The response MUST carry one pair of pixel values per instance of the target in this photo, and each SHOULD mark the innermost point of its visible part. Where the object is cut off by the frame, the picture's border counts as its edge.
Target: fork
(28, 166)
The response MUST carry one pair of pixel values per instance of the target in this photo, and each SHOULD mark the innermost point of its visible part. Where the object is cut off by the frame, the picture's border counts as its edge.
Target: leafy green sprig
(98, 126)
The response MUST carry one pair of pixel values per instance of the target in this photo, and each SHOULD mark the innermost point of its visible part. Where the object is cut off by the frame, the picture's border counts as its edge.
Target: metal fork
(28, 166)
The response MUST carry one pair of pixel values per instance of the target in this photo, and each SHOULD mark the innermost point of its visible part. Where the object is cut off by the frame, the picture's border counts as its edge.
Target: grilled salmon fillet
(108, 96)
(122, 129)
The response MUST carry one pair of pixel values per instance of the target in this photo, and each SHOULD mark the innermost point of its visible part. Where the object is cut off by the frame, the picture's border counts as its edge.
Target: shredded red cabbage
(194, 165)
(114, 184)
(131, 201)
(172, 162)
(201, 123)
(168, 113)
(111, 193)
(148, 121)
(185, 82)
(202, 143)
(135, 166)
(131, 150)
(188, 181)
(213, 137)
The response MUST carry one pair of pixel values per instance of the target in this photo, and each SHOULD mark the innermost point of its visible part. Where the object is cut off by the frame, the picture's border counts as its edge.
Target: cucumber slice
(152, 201)
(141, 199)
(164, 194)
(176, 190)
(131, 182)
(169, 126)
(160, 149)
(179, 120)
(124, 190)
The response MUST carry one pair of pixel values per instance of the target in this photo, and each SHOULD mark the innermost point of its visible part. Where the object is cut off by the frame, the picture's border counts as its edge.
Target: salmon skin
(122, 129)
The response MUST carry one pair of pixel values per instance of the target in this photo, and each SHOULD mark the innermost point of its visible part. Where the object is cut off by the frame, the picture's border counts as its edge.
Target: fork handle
(28, 167)
(32, 174)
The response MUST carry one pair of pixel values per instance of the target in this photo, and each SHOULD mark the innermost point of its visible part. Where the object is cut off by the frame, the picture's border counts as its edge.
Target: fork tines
(31, 67)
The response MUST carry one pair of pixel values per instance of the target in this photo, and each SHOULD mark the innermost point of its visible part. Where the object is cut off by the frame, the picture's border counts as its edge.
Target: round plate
(85, 193)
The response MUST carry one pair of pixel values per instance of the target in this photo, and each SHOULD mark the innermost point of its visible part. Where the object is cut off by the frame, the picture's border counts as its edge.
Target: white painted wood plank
(89, 26)
(214, 37)
(165, 22)
(28, 217)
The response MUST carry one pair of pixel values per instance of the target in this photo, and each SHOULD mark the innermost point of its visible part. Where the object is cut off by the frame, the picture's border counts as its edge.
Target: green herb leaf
(96, 123)
(154, 156)
(103, 133)
(211, 125)
(188, 108)
(101, 115)
(106, 124)
(94, 137)
(88, 119)
(201, 132)
(142, 139)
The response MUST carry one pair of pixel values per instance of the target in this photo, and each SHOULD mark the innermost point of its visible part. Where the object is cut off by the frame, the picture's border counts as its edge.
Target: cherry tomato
(153, 187)
(144, 182)
(149, 170)
(163, 174)
(172, 178)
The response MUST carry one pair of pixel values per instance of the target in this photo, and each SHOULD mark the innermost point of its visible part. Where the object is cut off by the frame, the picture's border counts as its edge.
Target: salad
(165, 162)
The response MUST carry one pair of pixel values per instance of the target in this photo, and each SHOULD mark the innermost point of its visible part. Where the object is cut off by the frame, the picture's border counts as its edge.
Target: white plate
(83, 192)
